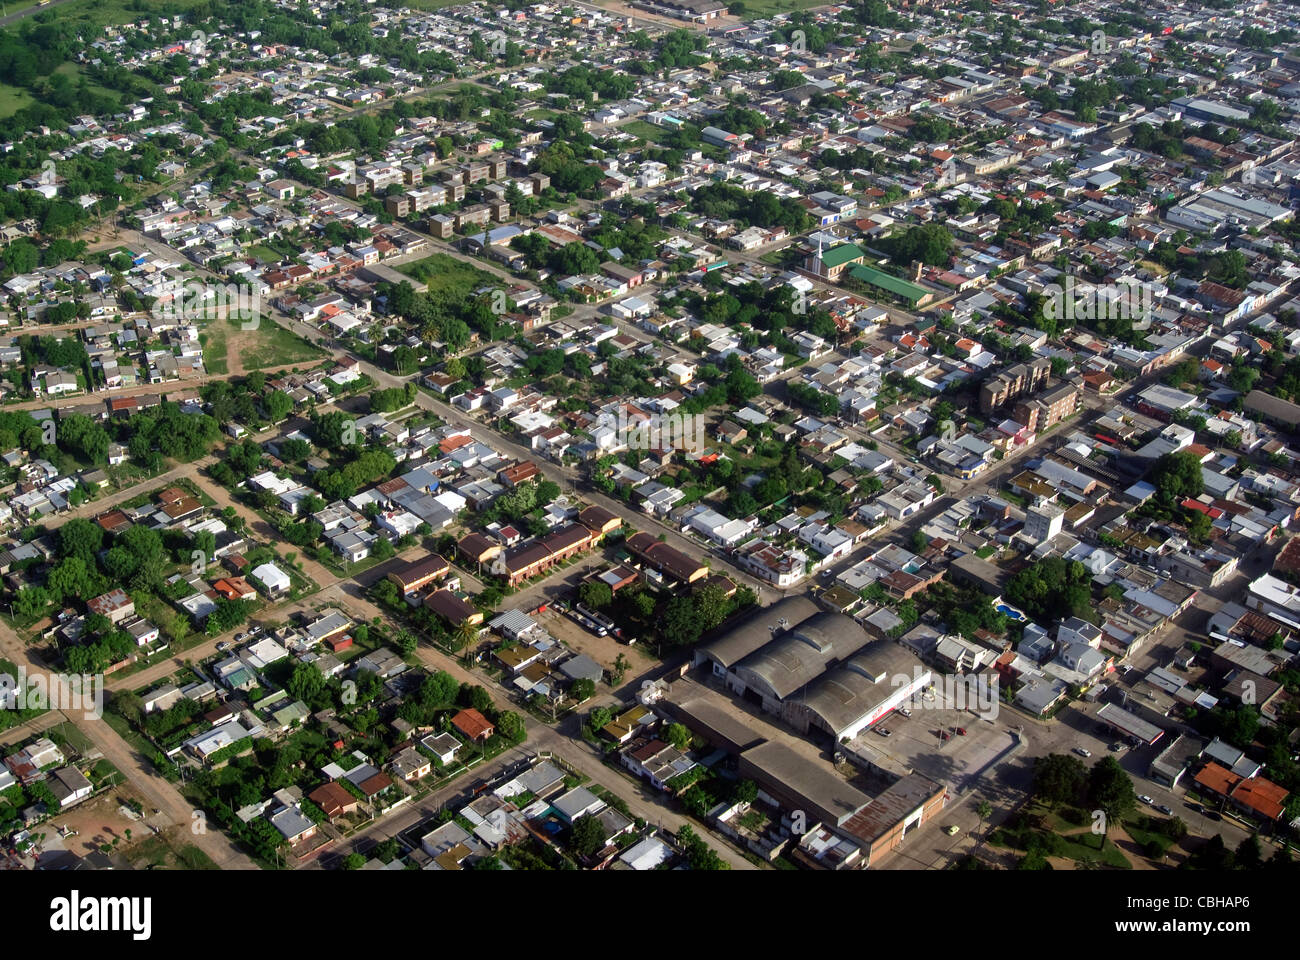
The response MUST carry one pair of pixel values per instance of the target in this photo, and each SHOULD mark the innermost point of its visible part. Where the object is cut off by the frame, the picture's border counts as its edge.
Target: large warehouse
(820, 672)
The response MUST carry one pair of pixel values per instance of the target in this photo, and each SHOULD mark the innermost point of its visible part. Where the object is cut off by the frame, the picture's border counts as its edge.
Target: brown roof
(451, 607)
(113, 520)
(1217, 778)
(668, 559)
(1263, 796)
(420, 571)
(595, 518)
(473, 724)
(476, 545)
(332, 798)
(373, 785)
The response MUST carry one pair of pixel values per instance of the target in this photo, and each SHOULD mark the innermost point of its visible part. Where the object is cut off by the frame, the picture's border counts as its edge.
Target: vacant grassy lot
(270, 345)
(446, 276)
(13, 99)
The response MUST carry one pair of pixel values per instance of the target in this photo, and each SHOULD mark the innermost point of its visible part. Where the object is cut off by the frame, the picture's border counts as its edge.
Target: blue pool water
(1011, 612)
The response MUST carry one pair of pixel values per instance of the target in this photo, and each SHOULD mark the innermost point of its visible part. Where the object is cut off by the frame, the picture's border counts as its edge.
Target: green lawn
(447, 276)
(263, 252)
(13, 99)
(100, 13)
(213, 341)
(274, 346)
(642, 129)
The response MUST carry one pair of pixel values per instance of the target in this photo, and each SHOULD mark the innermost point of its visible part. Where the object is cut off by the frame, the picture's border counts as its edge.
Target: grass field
(13, 99)
(263, 252)
(99, 13)
(447, 276)
(270, 345)
(642, 129)
(758, 9)
(215, 349)
(431, 4)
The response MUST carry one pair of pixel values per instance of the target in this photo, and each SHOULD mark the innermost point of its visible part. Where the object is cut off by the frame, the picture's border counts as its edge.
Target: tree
(1059, 779)
(405, 642)
(1248, 855)
(511, 726)
(1177, 476)
(278, 404)
(588, 836)
(305, 683)
(595, 594)
(81, 538)
(983, 810)
(1053, 589)
(678, 735)
(439, 688)
(1110, 790)
(582, 689)
(681, 624)
(920, 542)
(599, 718)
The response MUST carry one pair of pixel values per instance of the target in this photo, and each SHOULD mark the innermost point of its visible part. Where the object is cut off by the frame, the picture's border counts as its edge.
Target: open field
(446, 276)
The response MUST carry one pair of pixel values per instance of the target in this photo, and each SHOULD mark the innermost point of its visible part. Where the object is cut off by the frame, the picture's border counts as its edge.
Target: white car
(1082, 752)
(1147, 800)
(904, 711)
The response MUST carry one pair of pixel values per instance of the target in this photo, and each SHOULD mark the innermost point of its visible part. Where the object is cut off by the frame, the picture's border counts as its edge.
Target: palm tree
(466, 633)
(983, 810)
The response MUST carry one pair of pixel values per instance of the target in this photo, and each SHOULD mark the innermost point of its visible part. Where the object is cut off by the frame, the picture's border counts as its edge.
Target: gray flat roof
(1130, 723)
(782, 771)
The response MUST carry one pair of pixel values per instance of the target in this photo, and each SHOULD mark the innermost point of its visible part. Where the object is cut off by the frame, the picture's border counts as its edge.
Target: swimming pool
(1011, 612)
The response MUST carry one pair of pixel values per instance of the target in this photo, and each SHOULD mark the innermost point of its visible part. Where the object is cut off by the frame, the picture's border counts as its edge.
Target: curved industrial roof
(797, 658)
(757, 631)
(843, 696)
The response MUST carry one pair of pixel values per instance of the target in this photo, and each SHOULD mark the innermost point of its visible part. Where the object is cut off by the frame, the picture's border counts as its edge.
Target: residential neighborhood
(654, 435)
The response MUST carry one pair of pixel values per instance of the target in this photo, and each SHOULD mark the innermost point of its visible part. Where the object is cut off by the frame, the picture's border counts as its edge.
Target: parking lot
(604, 650)
(916, 742)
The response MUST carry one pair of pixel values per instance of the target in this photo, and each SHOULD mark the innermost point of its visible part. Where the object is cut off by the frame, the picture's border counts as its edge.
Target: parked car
(1147, 800)
(1212, 815)
(961, 731)
(1165, 810)
(904, 711)
(1116, 747)
(883, 732)
(952, 830)
(223, 645)
(1082, 752)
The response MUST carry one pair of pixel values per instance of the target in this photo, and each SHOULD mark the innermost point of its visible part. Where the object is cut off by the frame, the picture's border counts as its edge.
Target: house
(275, 581)
(115, 605)
(443, 747)
(452, 608)
(294, 825)
(418, 574)
(473, 725)
(410, 765)
(334, 800)
(577, 803)
(69, 786)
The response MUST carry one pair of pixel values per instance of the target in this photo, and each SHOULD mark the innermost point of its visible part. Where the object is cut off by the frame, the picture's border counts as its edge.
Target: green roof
(838, 256)
(895, 285)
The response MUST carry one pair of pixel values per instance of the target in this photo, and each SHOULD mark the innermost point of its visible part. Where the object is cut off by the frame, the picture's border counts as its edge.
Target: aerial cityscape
(651, 435)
